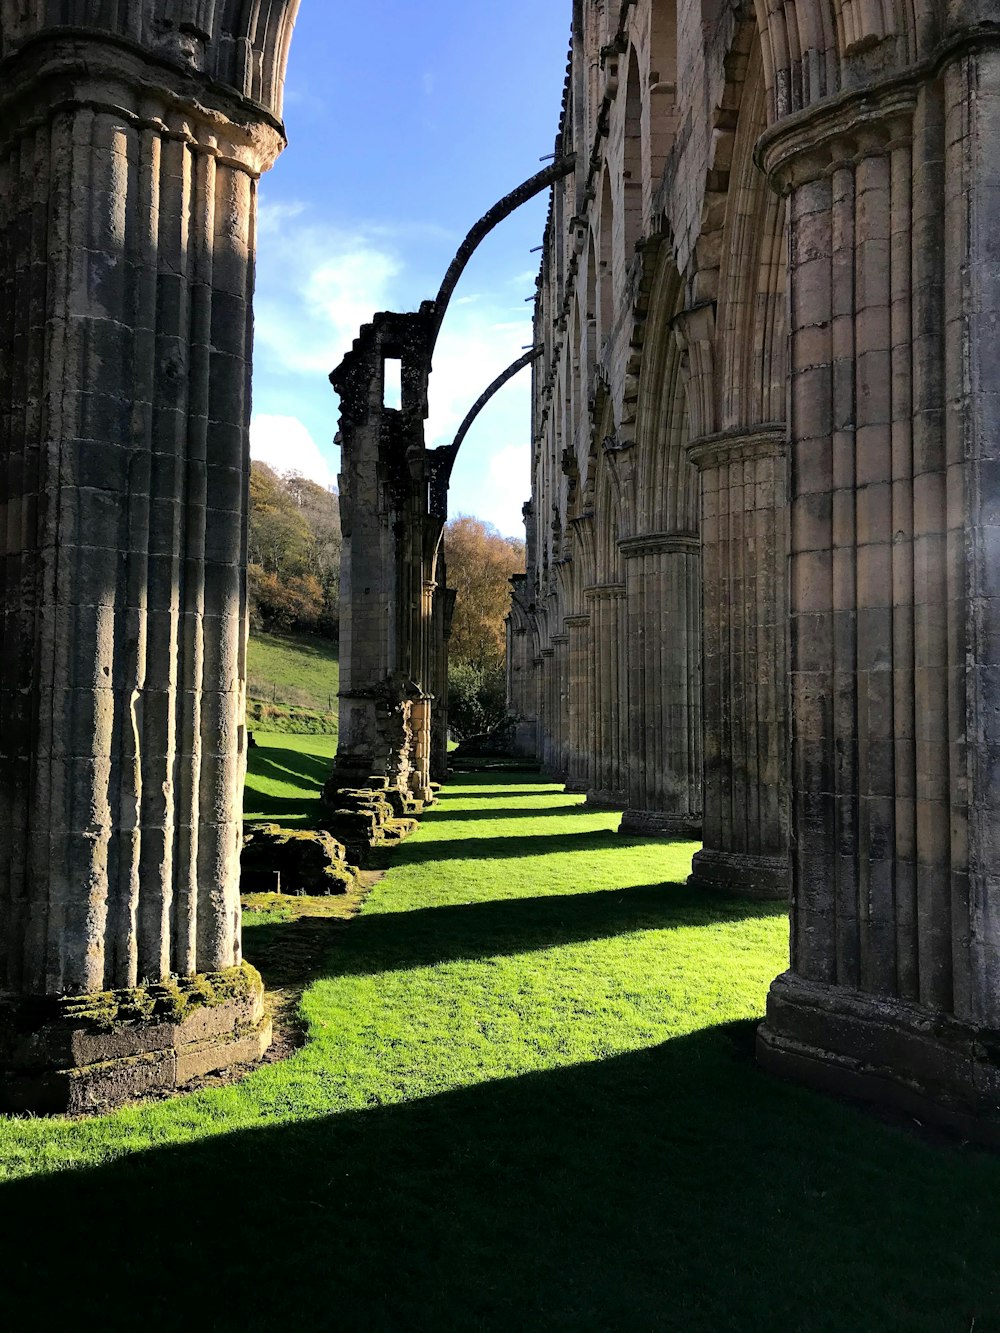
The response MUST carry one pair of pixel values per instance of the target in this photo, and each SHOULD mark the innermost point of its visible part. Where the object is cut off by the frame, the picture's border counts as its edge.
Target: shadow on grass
(675, 1188)
(567, 811)
(391, 941)
(526, 792)
(278, 765)
(501, 848)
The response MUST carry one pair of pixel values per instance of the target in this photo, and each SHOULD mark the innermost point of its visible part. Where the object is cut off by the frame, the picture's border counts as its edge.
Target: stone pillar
(549, 711)
(444, 610)
(389, 511)
(663, 733)
(610, 698)
(894, 987)
(129, 161)
(744, 533)
(560, 671)
(578, 693)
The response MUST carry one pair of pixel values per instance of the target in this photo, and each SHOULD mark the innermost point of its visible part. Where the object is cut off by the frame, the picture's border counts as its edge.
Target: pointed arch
(633, 173)
(666, 483)
(752, 325)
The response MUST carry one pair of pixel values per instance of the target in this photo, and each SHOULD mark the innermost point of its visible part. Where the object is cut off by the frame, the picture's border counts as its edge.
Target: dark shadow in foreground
(675, 1188)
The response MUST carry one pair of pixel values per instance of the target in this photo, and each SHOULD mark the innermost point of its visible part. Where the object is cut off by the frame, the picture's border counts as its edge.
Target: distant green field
(298, 669)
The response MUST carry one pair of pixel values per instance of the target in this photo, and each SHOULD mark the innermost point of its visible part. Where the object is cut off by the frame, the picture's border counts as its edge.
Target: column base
(95, 1052)
(576, 788)
(884, 1051)
(655, 824)
(759, 878)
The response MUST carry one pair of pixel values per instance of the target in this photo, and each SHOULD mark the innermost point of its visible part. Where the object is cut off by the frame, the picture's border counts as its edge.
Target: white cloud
(285, 444)
(318, 285)
(509, 486)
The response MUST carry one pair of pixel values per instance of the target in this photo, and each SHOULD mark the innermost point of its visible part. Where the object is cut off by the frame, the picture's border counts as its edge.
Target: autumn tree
(480, 563)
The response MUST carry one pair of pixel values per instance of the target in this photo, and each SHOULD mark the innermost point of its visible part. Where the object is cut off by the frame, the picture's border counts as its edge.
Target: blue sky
(407, 122)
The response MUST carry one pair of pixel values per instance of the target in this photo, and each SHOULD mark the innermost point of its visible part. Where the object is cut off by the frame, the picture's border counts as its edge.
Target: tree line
(294, 553)
(294, 584)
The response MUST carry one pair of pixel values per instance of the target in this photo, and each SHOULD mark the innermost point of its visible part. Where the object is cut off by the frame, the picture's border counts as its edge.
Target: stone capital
(659, 543)
(844, 129)
(738, 447)
(605, 591)
(577, 622)
(107, 75)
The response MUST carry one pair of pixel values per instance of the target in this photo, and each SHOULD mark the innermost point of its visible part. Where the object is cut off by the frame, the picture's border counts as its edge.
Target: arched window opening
(605, 270)
(632, 173)
(591, 314)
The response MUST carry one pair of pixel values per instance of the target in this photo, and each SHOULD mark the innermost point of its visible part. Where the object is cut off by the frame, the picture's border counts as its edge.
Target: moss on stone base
(169, 1001)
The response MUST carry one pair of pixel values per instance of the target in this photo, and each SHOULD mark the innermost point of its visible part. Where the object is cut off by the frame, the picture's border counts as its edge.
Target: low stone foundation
(759, 878)
(363, 818)
(874, 1049)
(96, 1052)
(294, 861)
(652, 824)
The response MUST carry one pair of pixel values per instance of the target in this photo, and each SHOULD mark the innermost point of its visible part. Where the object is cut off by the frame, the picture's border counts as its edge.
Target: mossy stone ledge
(94, 1052)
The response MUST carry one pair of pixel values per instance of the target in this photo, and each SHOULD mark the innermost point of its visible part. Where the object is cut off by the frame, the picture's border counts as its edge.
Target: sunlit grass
(286, 776)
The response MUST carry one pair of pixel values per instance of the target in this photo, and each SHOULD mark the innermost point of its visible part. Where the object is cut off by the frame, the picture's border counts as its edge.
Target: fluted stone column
(549, 687)
(609, 704)
(578, 696)
(894, 987)
(130, 151)
(744, 533)
(663, 736)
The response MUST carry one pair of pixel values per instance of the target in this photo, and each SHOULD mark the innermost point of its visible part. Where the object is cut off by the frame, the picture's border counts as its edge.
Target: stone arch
(752, 356)
(808, 48)
(666, 483)
(244, 44)
(590, 288)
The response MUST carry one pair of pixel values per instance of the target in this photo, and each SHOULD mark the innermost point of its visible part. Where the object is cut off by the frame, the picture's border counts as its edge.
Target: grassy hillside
(298, 669)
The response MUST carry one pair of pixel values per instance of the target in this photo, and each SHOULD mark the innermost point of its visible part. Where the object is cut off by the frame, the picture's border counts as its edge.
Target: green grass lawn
(528, 1101)
(300, 669)
(285, 776)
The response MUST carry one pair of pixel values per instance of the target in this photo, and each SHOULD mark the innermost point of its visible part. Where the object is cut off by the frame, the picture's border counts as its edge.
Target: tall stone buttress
(131, 142)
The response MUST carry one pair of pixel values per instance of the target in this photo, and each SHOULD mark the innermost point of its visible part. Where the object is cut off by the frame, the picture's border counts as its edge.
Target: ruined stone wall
(763, 497)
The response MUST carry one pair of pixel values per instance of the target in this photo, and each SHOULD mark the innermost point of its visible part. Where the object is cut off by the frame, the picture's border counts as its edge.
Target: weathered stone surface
(132, 138)
(104, 1050)
(767, 304)
(305, 861)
